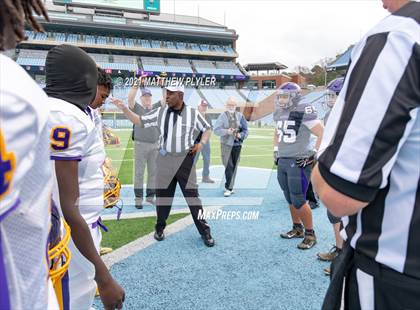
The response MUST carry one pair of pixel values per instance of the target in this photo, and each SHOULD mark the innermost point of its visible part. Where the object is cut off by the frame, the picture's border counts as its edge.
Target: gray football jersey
(294, 136)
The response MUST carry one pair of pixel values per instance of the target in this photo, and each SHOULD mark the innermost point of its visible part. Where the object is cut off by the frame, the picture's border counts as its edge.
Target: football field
(257, 151)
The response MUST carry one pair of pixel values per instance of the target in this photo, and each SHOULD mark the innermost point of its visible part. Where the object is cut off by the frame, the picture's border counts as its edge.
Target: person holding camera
(232, 128)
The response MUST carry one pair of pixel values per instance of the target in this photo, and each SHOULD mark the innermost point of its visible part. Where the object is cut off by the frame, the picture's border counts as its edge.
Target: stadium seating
(90, 39)
(204, 66)
(31, 58)
(101, 40)
(215, 97)
(195, 47)
(153, 64)
(227, 68)
(205, 47)
(118, 41)
(178, 65)
(30, 34)
(257, 95)
(60, 37)
(129, 42)
(170, 45)
(41, 36)
(156, 44)
(73, 38)
(219, 68)
(181, 45)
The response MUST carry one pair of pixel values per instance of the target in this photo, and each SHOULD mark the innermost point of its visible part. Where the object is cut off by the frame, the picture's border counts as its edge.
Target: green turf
(257, 151)
(124, 231)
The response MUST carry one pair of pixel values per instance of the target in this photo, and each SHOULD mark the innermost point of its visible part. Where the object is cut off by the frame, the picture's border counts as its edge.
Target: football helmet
(112, 187)
(333, 90)
(58, 252)
(288, 95)
(109, 137)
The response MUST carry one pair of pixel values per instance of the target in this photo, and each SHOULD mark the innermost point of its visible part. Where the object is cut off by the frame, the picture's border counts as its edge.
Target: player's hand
(231, 131)
(196, 149)
(276, 157)
(112, 294)
(303, 162)
(118, 103)
(238, 136)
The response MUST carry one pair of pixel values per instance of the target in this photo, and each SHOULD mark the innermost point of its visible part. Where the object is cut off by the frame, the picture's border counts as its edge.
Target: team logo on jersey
(7, 167)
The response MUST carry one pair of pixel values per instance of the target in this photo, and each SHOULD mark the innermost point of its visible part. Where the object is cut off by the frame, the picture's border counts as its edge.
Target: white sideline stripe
(216, 166)
(247, 146)
(242, 156)
(135, 215)
(140, 244)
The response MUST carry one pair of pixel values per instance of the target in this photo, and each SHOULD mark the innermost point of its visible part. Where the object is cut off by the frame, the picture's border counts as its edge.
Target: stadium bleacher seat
(170, 45)
(31, 57)
(227, 68)
(195, 47)
(101, 40)
(40, 36)
(205, 47)
(60, 37)
(72, 38)
(89, 39)
(118, 41)
(129, 42)
(156, 44)
(178, 65)
(30, 34)
(153, 64)
(204, 66)
(145, 43)
(181, 45)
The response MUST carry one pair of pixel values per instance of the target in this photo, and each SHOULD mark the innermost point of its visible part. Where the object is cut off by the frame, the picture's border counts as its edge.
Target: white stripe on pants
(366, 290)
(82, 285)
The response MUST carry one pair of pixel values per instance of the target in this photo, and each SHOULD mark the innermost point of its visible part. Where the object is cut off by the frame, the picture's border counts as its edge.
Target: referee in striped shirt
(179, 126)
(369, 168)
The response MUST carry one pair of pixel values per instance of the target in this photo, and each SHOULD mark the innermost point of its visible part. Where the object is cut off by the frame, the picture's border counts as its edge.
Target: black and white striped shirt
(371, 145)
(178, 129)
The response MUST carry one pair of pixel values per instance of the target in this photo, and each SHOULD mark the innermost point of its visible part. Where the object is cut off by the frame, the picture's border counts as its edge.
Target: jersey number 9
(60, 138)
(286, 131)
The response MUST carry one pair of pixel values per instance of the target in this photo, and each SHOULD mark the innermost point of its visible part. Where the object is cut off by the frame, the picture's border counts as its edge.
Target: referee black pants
(173, 170)
(369, 285)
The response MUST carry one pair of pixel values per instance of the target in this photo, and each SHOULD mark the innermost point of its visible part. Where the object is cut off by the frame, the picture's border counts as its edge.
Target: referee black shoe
(208, 240)
(159, 235)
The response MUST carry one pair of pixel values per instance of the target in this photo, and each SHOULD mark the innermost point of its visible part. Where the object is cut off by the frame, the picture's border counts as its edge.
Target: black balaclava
(71, 75)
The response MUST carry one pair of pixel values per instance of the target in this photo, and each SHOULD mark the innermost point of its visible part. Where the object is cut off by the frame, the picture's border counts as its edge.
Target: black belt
(378, 270)
(180, 154)
(343, 264)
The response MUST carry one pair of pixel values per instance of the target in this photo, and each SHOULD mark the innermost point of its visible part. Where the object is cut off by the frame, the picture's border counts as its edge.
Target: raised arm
(133, 117)
(132, 96)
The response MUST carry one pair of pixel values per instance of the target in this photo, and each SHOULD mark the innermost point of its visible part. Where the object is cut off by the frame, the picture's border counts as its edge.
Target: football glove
(306, 161)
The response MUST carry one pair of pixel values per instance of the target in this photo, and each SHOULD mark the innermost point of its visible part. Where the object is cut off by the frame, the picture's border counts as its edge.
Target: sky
(293, 32)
